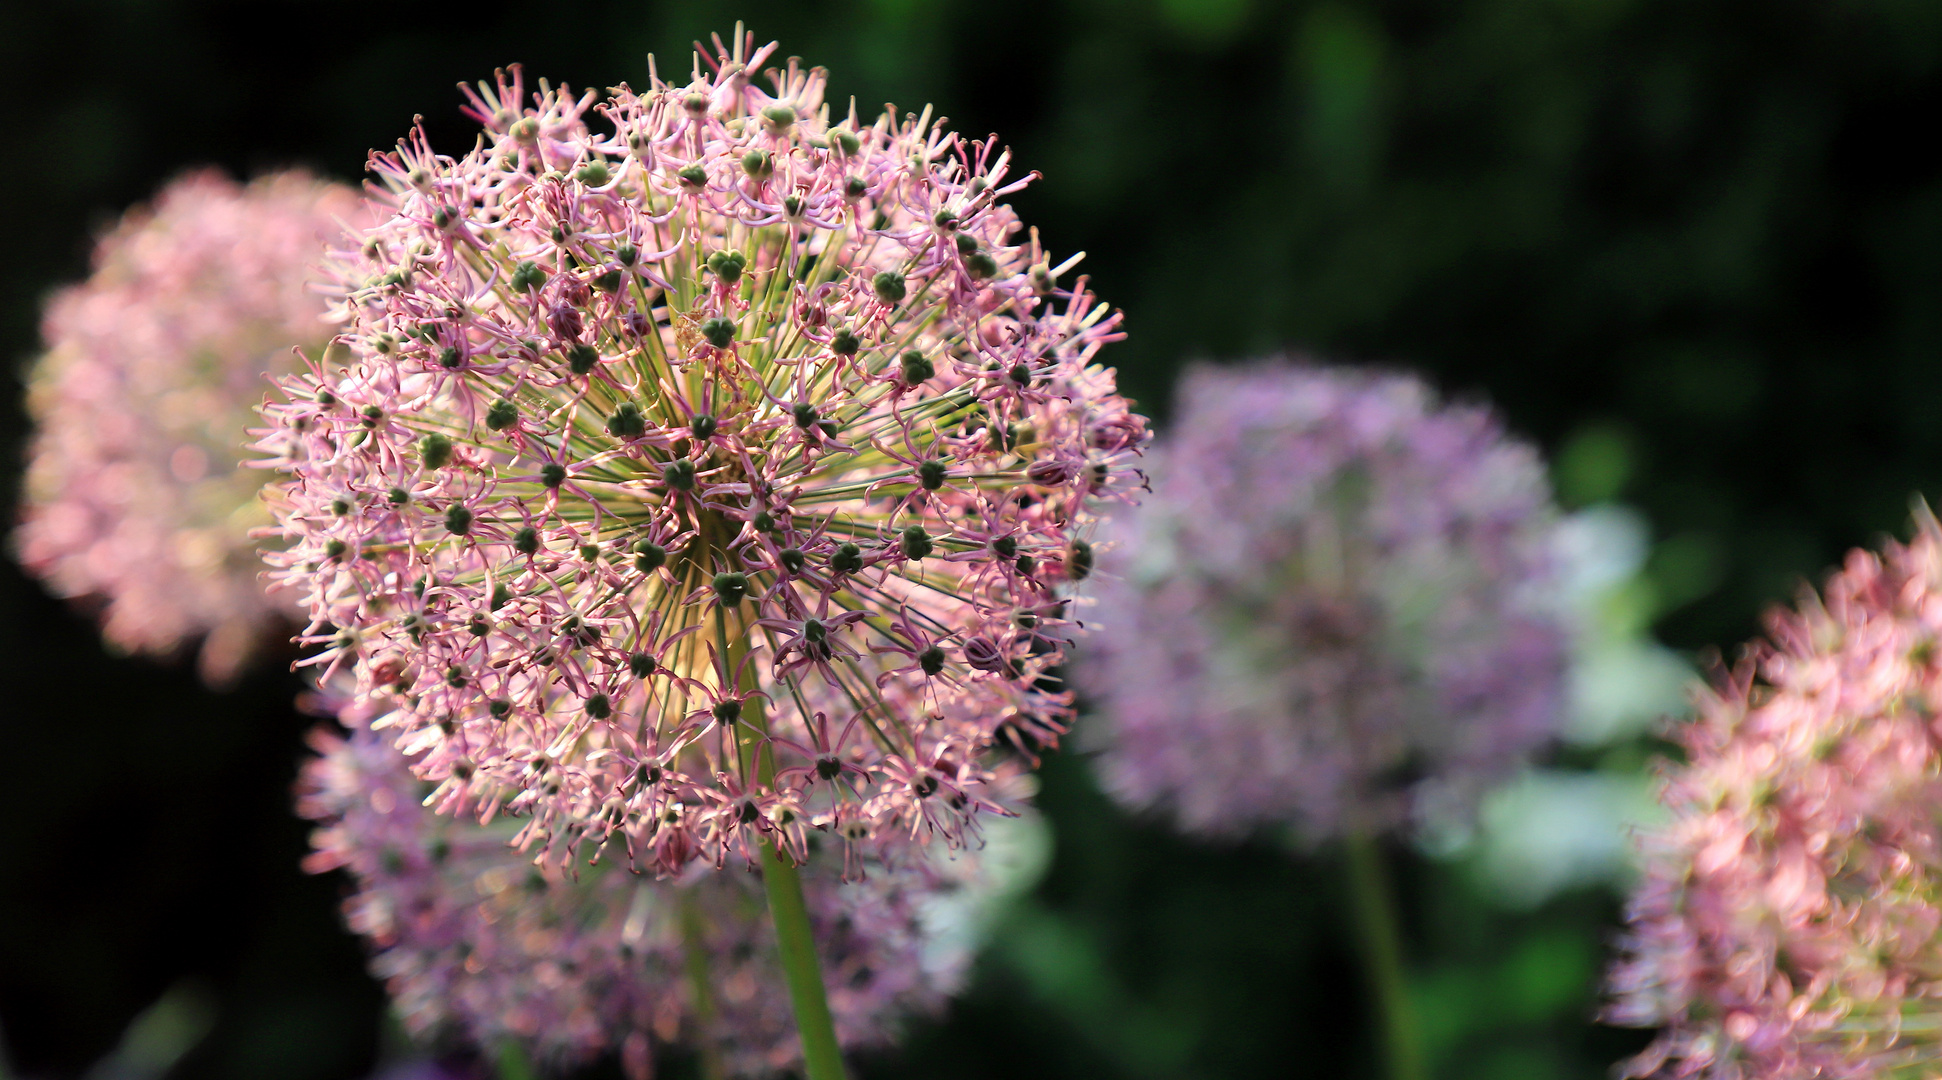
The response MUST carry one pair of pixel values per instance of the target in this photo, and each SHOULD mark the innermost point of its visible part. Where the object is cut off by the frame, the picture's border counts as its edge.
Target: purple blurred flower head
(718, 479)
(144, 399)
(476, 941)
(1786, 926)
(1331, 611)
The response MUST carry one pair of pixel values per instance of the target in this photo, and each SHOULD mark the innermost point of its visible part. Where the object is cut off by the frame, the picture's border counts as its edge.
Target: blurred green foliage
(1692, 247)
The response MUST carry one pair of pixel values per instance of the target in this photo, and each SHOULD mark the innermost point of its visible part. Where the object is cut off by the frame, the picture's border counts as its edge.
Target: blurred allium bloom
(143, 403)
(1331, 611)
(475, 941)
(738, 428)
(1786, 926)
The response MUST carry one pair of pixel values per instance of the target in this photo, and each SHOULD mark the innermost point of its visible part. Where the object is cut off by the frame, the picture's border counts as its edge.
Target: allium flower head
(477, 943)
(144, 399)
(1787, 922)
(715, 479)
(1330, 611)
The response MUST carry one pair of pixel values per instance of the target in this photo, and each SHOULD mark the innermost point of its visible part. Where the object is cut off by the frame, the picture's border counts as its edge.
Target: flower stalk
(1382, 956)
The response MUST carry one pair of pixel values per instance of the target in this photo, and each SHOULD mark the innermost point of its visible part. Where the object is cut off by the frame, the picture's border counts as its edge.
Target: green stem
(513, 1063)
(795, 941)
(797, 945)
(1382, 953)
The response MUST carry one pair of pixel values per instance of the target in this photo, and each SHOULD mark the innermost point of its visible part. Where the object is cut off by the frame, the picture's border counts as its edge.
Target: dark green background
(1692, 247)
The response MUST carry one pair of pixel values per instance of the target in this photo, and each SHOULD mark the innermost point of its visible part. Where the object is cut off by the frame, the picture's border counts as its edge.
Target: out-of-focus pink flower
(474, 939)
(144, 400)
(1787, 923)
(1331, 611)
(717, 479)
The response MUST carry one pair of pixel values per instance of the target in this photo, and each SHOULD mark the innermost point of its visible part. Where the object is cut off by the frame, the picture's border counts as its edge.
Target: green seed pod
(649, 556)
(593, 174)
(641, 664)
(728, 265)
(980, 266)
(719, 332)
(844, 343)
(526, 277)
(846, 559)
(931, 474)
(679, 474)
(703, 427)
(502, 414)
(731, 587)
(599, 707)
(917, 368)
(627, 422)
(694, 177)
(580, 358)
(526, 540)
(758, 164)
(435, 451)
(915, 542)
(552, 474)
(458, 520)
(791, 559)
(889, 286)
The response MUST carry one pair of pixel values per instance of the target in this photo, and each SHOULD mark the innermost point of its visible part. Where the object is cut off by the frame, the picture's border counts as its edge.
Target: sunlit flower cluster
(143, 403)
(1332, 610)
(1788, 919)
(476, 942)
(720, 478)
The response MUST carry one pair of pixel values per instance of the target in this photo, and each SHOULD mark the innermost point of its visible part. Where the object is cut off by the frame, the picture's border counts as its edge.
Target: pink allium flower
(143, 403)
(474, 940)
(1331, 610)
(719, 478)
(1787, 922)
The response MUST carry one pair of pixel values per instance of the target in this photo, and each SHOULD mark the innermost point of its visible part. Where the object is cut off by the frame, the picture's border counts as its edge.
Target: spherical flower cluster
(715, 480)
(1330, 612)
(1787, 922)
(144, 399)
(477, 943)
